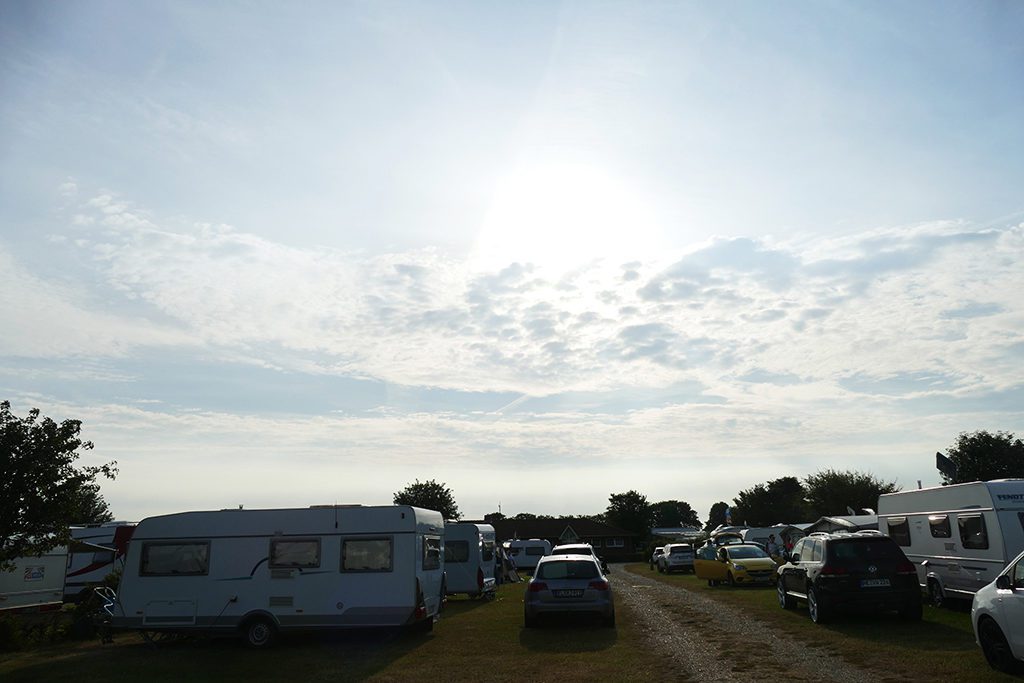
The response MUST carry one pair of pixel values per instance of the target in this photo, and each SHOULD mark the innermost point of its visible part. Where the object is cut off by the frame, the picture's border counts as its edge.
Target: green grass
(475, 640)
(939, 647)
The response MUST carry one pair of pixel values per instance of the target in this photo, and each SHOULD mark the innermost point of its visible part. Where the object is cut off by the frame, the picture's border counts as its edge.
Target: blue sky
(543, 252)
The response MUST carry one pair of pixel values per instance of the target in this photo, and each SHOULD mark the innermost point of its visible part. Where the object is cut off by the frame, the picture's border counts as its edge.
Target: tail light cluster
(537, 586)
(906, 567)
(833, 570)
(600, 585)
(421, 604)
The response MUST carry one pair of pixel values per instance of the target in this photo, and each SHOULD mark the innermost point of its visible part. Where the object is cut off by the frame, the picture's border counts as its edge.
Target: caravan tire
(259, 633)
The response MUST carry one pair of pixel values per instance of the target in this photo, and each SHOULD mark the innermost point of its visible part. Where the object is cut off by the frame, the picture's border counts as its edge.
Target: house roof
(556, 528)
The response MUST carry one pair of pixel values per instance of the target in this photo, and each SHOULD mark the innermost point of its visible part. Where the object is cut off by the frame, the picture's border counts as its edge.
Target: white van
(35, 582)
(257, 572)
(527, 553)
(469, 559)
(960, 536)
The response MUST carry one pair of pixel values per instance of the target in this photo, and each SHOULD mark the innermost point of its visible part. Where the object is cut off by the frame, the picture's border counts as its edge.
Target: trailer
(255, 573)
(960, 536)
(469, 563)
(526, 553)
(96, 551)
(35, 583)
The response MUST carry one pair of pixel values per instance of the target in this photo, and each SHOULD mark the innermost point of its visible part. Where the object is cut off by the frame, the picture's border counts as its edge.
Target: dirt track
(705, 640)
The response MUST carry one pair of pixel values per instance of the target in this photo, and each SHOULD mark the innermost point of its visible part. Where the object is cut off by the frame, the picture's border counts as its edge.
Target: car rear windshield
(685, 550)
(569, 569)
(746, 552)
(857, 552)
(578, 550)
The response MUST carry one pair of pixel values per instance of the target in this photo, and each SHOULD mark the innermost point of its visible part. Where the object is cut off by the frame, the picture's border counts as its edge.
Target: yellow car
(738, 563)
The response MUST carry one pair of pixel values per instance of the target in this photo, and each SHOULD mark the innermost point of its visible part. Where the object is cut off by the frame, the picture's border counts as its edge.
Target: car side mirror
(794, 559)
(1004, 583)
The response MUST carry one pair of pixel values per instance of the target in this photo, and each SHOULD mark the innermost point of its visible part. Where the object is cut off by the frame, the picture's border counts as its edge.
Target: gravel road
(703, 639)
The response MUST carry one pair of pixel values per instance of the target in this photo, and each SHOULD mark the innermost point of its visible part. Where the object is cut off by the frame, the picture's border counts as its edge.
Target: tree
(779, 500)
(629, 511)
(831, 492)
(41, 490)
(90, 508)
(673, 513)
(429, 495)
(492, 517)
(983, 456)
(716, 516)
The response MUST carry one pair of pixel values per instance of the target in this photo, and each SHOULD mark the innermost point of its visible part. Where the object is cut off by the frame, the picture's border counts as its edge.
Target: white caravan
(35, 582)
(97, 551)
(960, 536)
(257, 572)
(526, 553)
(469, 559)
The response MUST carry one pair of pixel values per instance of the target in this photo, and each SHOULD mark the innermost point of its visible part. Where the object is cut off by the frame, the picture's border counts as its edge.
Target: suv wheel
(819, 612)
(912, 611)
(994, 645)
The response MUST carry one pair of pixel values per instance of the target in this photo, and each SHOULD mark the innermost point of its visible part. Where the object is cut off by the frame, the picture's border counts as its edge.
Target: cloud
(867, 305)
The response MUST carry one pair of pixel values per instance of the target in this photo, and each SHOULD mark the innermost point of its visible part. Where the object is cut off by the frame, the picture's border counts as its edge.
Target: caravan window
(972, 532)
(456, 551)
(534, 550)
(366, 555)
(175, 559)
(899, 530)
(431, 552)
(294, 553)
(488, 551)
(939, 525)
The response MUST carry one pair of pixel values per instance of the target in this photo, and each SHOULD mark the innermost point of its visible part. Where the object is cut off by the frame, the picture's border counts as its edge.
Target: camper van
(527, 553)
(35, 582)
(96, 551)
(960, 536)
(469, 559)
(257, 572)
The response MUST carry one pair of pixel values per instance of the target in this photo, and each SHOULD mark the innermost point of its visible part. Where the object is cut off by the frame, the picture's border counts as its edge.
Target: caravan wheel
(259, 633)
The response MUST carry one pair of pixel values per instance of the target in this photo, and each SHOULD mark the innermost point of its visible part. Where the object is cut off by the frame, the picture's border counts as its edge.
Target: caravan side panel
(35, 582)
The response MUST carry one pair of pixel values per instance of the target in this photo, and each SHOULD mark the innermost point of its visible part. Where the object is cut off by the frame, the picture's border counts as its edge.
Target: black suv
(864, 570)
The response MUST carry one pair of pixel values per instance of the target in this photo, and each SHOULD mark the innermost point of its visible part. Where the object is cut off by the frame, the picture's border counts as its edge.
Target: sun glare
(559, 216)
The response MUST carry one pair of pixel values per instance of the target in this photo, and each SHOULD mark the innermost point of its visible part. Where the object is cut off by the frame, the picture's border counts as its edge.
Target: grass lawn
(940, 647)
(474, 640)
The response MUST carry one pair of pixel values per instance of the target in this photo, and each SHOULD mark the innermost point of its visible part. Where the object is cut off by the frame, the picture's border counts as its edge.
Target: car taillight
(906, 567)
(833, 570)
(599, 585)
(537, 586)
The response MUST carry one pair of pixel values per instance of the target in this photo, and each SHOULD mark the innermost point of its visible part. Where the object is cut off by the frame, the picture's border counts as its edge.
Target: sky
(277, 255)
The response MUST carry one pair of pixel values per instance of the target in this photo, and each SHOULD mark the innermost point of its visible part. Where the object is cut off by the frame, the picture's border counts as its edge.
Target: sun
(559, 216)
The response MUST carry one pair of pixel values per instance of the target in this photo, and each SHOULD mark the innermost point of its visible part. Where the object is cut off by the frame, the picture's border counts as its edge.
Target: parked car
(735, 563)
(676, 557)
(863, 570)
(658, 552)
(568, 585)
(580, 549)
(997, 615)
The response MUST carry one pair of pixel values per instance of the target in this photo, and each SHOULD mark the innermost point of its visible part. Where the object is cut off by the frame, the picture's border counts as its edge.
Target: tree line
(43, 492)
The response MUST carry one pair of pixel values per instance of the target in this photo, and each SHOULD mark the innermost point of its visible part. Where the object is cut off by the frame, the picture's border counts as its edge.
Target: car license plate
(568, 593)
(874, 583)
